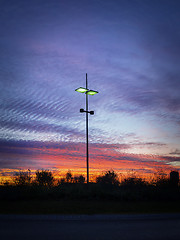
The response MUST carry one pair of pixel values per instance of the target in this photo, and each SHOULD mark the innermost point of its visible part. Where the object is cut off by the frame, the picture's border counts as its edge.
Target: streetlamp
(87, 92)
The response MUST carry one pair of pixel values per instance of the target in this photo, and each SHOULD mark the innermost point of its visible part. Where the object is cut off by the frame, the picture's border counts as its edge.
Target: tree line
(43, 185)
(46, 178)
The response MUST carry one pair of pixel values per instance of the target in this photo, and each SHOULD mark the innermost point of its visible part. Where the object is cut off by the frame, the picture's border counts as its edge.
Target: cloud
(175, 152)
(29, 154)
(131, 53)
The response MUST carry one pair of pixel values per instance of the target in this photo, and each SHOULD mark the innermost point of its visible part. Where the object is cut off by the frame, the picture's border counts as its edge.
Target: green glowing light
(91, 92)
(81, 90)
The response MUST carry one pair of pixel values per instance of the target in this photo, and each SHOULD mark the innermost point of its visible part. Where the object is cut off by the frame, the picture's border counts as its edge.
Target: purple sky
(131, 52)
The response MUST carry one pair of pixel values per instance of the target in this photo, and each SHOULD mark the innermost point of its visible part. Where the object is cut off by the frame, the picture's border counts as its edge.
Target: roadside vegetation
(107, 187)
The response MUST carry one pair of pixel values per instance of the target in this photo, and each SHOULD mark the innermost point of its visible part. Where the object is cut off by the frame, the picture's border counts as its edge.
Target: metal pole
(87, 149)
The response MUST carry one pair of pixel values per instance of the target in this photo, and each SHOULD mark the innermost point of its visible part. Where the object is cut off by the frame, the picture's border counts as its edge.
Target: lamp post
(87, 92)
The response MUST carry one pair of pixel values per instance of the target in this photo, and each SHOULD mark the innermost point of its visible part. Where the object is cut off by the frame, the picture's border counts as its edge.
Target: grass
(87, 207)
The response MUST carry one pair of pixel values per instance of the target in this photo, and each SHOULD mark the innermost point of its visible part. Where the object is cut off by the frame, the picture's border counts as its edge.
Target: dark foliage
(44, 177)
(110, 177)
(69, 177)
(23, 178)
(133, 181)
(79, 179)
(107, 187)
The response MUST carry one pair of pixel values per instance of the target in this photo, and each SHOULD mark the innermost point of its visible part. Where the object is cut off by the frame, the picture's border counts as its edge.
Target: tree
(161, 179)
(61, 181)
(69, 177)
(23, 178)
(110, 177)
(133, 181)
(44, 177)
(79, 179)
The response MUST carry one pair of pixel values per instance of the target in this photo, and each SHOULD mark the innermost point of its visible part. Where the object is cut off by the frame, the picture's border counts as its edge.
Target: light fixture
(91, 92)
(81, 90)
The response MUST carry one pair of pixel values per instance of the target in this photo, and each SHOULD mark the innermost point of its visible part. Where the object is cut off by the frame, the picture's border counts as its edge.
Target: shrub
(79, 179)
(110, 177)
(23, 178)
(44, 177)
(161, 179)
(133, 181)
(69, 177)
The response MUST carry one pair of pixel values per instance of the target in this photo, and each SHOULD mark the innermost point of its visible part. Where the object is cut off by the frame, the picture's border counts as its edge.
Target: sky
(130, 50)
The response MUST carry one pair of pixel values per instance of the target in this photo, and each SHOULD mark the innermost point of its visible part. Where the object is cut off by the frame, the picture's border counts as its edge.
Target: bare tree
(23, 178)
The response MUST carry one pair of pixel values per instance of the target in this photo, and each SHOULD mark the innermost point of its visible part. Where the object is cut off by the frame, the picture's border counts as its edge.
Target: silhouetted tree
(23, 178)
(61, 181)
(79, 179)
(133, 181)
(75, 179)
(174, 178)
(44, 177)
(161, 179)
(69, 177)
(6, 183)
(110, 177)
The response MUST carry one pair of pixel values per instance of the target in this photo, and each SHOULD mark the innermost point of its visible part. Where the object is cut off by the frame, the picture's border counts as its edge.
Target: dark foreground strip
(96, 217)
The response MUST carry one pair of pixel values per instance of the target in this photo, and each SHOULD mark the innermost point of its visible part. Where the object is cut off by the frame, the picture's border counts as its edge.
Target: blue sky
(131, 52)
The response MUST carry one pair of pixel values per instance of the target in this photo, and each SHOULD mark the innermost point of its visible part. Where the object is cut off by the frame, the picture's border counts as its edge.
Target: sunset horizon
(57, 157)
(130, 52)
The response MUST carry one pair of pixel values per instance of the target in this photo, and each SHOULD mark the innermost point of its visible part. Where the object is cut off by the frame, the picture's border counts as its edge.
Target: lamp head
(81, 90)
(91, 92)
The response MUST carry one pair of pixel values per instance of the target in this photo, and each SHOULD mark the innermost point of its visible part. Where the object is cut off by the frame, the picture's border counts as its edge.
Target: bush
(44, 178)
(23, 178)
(133, 181)
(69, 177)
(79, 179)
(110, 177)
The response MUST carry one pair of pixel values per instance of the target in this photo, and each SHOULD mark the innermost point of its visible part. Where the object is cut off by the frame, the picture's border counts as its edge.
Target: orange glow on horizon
(72, 157)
